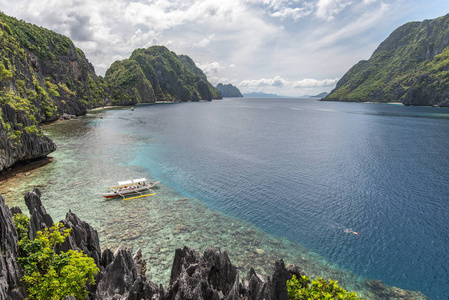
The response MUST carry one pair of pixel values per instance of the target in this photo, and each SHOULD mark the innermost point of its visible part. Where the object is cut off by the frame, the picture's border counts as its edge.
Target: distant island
(321, 95)
(411, 66)
(228, 90)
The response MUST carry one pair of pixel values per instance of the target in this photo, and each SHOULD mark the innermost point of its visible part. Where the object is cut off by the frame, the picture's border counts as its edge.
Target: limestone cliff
(411, 66)
(42, 77)
(157, 74)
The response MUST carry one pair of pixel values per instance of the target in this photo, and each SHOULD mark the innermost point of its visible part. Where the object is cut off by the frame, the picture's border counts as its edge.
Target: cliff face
(228, 90)
(157, 74)
(42, 77)
(411, 66)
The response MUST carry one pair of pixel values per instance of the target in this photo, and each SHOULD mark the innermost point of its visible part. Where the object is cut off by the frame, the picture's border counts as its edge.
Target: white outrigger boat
(130, 187)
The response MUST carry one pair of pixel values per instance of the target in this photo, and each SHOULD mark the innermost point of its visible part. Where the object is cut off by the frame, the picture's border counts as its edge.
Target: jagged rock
(140, 263)
(39, 218)
(83, 237)
(10, 274)
(121, 279)
(296, 270)
(211, 276)
(16, 210)
(106, 258)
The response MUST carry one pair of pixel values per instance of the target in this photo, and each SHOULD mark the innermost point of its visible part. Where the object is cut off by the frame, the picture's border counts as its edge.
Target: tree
(305, 289)
(47, 274)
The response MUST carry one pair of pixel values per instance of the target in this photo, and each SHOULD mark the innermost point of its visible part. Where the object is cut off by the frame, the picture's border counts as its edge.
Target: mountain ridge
(411, 66)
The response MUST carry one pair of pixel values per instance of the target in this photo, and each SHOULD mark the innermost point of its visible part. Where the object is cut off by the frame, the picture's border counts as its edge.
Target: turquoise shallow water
(260, 178)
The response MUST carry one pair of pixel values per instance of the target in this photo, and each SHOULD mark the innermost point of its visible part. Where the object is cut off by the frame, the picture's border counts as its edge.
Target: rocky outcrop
(228, 90)
(10, 274)
(410, 66)
(158, 74)
(39, 219)
(43, 77)
(210, 276)
(122, 275)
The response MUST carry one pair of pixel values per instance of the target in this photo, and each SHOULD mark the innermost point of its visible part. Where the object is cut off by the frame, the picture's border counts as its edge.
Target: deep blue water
(310, 170)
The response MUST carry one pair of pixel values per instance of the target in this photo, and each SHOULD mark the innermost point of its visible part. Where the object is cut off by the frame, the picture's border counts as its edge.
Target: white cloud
(327, 9)
(277, 81)
(292, 13)
(210, 68)
(309, 83)
(204, 42)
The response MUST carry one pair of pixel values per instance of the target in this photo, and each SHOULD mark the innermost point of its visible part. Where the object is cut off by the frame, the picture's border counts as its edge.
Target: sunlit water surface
(265, 179)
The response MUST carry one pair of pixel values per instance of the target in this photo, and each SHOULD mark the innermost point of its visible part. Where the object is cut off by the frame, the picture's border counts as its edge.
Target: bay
(265, 179)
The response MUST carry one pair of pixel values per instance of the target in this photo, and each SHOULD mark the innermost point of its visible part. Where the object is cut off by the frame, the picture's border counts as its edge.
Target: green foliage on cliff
(305, 289)
(157, 74)
(411, 66)
(43, 42)
(49, 275)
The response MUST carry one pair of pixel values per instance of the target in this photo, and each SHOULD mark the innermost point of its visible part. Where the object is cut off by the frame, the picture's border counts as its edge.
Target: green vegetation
(317, 289)
(43, 42)
(158, 74)
(411, 66)
(49, 275)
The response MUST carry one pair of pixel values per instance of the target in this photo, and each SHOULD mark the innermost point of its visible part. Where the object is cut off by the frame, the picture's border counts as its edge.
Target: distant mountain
(228, 90)
(158, 74)
(262, 95)
(411, 66)
(321, 95)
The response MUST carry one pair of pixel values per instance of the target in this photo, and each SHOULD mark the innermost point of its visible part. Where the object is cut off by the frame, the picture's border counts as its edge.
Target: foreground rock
(122, 274)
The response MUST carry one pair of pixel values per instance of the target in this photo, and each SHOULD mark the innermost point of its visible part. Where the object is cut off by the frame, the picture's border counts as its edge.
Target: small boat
(130, 187)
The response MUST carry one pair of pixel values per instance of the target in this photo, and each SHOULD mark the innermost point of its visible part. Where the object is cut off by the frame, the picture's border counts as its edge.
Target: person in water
(353, 232)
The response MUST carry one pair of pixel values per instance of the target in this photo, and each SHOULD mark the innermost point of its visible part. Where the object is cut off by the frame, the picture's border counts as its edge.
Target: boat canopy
(126, 182)
(134, 181)
(139, 180)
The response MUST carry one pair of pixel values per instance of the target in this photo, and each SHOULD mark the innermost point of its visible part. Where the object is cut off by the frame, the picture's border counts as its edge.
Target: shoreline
(24, 167)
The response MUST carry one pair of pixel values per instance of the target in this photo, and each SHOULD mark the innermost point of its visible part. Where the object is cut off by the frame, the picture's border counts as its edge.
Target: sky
(285, 47)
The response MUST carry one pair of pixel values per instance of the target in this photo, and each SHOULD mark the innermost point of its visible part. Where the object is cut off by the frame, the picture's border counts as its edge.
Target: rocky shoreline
(124, 275)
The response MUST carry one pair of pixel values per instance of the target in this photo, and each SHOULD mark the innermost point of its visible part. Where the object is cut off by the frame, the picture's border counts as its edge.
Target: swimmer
(353, 232)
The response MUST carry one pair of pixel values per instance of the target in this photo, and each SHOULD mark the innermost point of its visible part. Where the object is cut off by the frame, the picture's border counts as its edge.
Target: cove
(266, 179)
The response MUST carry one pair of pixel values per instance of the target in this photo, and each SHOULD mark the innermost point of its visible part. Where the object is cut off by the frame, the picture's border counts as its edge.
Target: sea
(356, 192)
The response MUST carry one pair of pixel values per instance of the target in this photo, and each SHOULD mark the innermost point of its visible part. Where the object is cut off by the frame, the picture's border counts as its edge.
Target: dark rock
(39, 218)
(296, 270)
(83, 237)
(106, 258)
(10, 274)
(121, 279)
(16, 210)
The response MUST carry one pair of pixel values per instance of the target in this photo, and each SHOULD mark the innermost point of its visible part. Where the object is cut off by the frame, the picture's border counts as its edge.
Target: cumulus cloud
(210, 68)
(309, 83)
(327, 9)
(204, 42)
(292, 13)
(277, 81)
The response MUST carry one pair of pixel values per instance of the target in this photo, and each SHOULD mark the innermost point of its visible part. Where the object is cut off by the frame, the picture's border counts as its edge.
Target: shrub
(305, 289)
(49, 275)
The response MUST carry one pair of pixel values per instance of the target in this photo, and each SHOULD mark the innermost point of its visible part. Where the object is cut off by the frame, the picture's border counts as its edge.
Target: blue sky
(286, 47)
